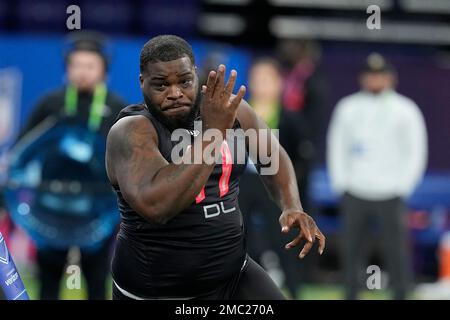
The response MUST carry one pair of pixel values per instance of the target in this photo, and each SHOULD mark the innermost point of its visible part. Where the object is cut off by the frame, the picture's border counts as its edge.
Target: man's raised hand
(219, 106)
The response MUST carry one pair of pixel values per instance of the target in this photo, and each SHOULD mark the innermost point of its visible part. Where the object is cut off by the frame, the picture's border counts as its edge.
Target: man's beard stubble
(186, 122)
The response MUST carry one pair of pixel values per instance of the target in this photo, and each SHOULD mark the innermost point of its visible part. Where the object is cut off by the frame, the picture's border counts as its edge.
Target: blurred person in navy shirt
(85, 100)
(86, 66)
(304, 101)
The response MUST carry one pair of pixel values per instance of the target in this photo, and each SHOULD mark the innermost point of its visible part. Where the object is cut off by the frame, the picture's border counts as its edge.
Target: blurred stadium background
(415, 37)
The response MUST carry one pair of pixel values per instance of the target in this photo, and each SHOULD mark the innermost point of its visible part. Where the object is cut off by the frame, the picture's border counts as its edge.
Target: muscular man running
(171, 244)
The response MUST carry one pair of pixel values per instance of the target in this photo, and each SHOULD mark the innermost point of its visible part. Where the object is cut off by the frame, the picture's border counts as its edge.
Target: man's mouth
(177, 108)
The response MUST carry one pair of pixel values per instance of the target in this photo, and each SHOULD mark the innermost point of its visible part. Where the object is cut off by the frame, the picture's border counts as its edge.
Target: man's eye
(187, 83)
(160, 86)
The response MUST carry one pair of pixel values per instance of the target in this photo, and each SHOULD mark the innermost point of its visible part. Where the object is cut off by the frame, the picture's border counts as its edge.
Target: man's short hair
(165, 48)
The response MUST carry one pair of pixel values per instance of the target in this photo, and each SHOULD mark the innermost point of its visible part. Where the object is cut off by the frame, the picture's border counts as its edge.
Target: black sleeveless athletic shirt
(194, 252)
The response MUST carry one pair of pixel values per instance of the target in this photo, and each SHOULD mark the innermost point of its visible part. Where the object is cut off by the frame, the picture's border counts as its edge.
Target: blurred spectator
(264, 244)
(304, 99)
(265, 85)
(87, 101)
(377, 151)
(86, 67)
(215, 57)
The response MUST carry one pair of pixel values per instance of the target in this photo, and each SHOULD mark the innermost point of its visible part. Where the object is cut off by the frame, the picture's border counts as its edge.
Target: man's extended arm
(282, 184)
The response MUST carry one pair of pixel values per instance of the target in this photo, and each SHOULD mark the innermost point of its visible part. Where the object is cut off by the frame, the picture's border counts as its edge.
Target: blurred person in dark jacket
(85, 100)
(86, 66)
(304, 99)
(265, 84)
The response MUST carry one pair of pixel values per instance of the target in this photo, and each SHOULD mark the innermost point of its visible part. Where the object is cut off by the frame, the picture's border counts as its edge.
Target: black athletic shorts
(251, 283)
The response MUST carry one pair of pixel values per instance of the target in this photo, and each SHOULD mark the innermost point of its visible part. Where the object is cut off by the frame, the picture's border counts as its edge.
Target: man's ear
(141, 80)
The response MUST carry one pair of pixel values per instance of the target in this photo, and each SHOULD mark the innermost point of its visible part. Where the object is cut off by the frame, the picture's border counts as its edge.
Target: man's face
(85, 70)
(170, 91)
(376, 82)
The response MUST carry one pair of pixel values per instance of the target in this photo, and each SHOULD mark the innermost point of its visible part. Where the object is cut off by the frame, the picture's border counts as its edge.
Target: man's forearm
(282, 186)
(175, 186)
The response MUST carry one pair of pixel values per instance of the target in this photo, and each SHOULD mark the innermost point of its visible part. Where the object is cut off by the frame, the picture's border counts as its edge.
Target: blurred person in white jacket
(376, 156)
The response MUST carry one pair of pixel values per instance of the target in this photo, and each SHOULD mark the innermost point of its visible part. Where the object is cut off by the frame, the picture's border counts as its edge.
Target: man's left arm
(281, 183)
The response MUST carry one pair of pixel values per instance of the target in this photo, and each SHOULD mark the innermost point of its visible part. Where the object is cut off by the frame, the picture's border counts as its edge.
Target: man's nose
(174, 93)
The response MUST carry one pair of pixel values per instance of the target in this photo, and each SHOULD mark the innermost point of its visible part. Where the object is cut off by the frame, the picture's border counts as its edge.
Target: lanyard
(97, 105)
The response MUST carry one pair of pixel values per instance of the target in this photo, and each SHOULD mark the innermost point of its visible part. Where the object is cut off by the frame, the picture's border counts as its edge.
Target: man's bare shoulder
(136, 127)
(129, 138)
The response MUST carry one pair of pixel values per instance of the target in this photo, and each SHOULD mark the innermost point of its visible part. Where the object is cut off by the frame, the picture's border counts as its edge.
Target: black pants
(252, 283)
(95, 266)
(359, 218)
